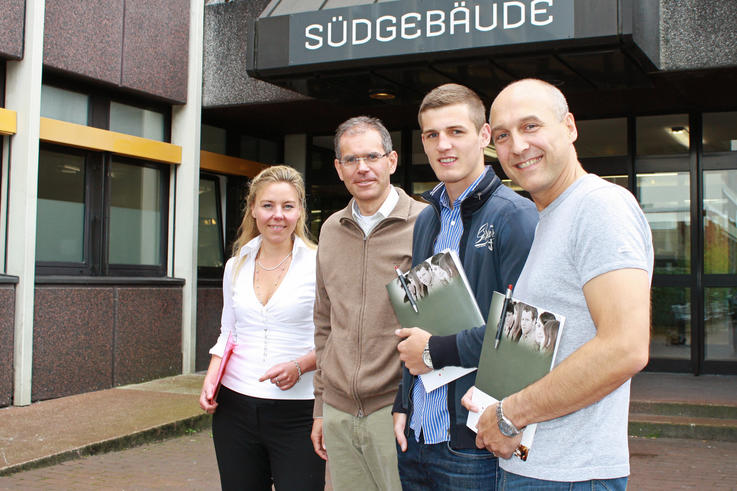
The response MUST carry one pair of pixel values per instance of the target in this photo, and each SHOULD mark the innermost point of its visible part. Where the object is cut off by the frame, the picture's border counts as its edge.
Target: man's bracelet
(299, 370)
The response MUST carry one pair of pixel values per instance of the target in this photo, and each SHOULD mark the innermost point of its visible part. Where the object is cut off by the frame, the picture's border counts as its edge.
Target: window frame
(97, 224)
(213, 272)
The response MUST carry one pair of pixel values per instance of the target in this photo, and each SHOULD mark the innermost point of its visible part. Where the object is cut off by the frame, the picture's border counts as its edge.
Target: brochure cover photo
(435, 296)
(526, 351)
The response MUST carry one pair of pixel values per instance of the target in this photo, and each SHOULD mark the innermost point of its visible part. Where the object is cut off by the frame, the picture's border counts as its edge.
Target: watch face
(506, 429)
(426, 358)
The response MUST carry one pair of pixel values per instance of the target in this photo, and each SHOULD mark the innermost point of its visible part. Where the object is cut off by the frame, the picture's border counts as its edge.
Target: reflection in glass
(671, 328)
(135, 214)
(602, 138)
(720, 220)
(212, 139)
(64, 105)
(60, 221)
(418, 151)
(664, 197)
(420, 187)
(263, 150)
(137, 121)
(209, 247)
(620, 180)
(720, 132)
(396, 178)
(720, 323)
(663, 135)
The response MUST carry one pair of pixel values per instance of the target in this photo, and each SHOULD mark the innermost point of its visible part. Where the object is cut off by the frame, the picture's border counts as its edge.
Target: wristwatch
(505, 426)
(426, 356)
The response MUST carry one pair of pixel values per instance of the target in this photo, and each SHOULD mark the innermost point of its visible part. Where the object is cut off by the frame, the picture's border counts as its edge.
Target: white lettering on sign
(505, 15)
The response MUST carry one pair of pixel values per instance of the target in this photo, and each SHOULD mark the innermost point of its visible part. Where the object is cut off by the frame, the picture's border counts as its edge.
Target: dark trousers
(260, 441)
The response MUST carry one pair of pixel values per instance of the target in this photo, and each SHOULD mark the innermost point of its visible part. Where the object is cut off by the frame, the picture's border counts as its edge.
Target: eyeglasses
(370, 158)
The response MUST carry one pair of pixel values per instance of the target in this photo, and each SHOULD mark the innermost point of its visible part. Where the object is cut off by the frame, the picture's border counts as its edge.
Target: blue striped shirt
(430, 414)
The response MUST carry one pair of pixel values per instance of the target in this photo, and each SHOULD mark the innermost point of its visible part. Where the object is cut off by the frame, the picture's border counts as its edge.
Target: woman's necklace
(258, 263)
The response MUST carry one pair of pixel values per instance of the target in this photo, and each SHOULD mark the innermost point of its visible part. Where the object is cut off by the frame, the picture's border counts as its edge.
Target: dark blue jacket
(498, 228)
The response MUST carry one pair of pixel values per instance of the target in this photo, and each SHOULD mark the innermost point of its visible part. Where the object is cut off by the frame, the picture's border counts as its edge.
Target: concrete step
(669, 426)
(696, 410)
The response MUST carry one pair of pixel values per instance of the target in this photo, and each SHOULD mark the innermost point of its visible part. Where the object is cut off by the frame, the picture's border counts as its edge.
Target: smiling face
(368, 183)
(276, 210)
(454, 147)
(534, 141)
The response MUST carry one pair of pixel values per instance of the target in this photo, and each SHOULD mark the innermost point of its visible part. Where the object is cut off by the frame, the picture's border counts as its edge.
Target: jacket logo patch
(485, 236)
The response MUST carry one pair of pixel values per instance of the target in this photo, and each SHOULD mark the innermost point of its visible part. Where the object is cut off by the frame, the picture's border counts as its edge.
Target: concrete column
(23, 95)
(295, 151)
(185, 131)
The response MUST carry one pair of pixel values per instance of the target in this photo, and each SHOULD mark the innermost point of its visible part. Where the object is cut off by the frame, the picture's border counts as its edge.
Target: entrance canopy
(358, 50)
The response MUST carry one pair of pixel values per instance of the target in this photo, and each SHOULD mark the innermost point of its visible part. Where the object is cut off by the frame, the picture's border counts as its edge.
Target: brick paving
(188, 463)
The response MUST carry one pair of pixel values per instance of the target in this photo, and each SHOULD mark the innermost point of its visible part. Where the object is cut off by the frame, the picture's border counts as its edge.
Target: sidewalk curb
(148, 435)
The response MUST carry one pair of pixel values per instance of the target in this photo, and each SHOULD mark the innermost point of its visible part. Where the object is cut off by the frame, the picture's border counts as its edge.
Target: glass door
(719, 236)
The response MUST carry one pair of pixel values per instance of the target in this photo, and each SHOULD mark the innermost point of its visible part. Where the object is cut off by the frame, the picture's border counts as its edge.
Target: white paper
(483, 401)
(438, 378)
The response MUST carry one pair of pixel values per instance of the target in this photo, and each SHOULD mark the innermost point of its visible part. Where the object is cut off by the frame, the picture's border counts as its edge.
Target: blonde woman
(262, 417)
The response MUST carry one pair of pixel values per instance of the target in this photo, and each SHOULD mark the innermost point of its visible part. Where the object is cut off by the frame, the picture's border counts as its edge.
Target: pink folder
(229, 345)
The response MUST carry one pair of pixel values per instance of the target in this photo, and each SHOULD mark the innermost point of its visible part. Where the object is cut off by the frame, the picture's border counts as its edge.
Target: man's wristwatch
(505, 426)
(426, 356)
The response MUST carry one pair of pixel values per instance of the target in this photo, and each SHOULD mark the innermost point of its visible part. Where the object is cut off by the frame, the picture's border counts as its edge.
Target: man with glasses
(358, 367)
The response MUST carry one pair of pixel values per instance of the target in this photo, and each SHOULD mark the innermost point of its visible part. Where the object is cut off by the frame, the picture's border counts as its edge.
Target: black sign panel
(424, 26)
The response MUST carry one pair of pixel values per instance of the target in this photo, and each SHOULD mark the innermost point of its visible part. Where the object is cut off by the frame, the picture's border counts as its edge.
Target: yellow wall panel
(87, 137)
(8, 125)
(226, 164)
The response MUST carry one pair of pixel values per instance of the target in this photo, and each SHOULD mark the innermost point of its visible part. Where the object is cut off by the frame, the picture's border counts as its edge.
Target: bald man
(591, 260)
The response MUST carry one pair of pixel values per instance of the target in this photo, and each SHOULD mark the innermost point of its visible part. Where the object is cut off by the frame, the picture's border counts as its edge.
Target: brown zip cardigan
(358, 368)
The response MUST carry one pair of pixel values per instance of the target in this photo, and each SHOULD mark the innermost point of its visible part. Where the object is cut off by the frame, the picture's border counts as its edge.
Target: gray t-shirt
(592, 228)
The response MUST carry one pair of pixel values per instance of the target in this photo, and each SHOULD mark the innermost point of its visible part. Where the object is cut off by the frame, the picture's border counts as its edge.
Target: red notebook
(229, 345)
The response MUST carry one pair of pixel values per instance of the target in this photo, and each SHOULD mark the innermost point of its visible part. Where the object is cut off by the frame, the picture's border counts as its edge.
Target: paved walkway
(188, 462)
(58, 430)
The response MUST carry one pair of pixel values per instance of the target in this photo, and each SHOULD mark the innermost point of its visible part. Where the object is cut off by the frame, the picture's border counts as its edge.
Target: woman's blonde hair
(270, 175)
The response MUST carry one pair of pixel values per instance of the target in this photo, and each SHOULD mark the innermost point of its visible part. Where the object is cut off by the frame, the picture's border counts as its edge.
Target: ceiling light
(382, 95)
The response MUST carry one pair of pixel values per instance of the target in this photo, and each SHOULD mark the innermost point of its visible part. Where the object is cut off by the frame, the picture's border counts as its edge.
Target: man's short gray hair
(358, 125)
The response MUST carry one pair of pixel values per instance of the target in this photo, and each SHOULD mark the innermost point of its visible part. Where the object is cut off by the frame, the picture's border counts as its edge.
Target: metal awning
(349, 50)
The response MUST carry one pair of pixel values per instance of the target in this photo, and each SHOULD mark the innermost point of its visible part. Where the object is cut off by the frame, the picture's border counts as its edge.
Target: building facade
(130, 129)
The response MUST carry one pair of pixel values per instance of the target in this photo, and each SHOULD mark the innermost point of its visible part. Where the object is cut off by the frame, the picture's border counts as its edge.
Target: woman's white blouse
(282, 330)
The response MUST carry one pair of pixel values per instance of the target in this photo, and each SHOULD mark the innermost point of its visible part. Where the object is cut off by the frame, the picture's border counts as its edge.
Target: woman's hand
(283, 375)
(208, 386)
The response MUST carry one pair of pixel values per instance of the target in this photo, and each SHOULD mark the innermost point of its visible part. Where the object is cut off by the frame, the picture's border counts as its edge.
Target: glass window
(396, 136)
(64, 105)
(137, 121)
(720, 132)
(620, 180)
(261, 150)
(210, 243)
(664, 197)
(212, 139)
(720, 323)
(135, 214)
(602, 138)
(720, 222)
(671, 324)
(61, 207)
(418, 151)
(663, 135)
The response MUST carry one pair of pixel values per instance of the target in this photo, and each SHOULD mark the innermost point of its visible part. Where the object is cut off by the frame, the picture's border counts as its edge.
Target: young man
(491, 228)
(591, 261)
(357, 364)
